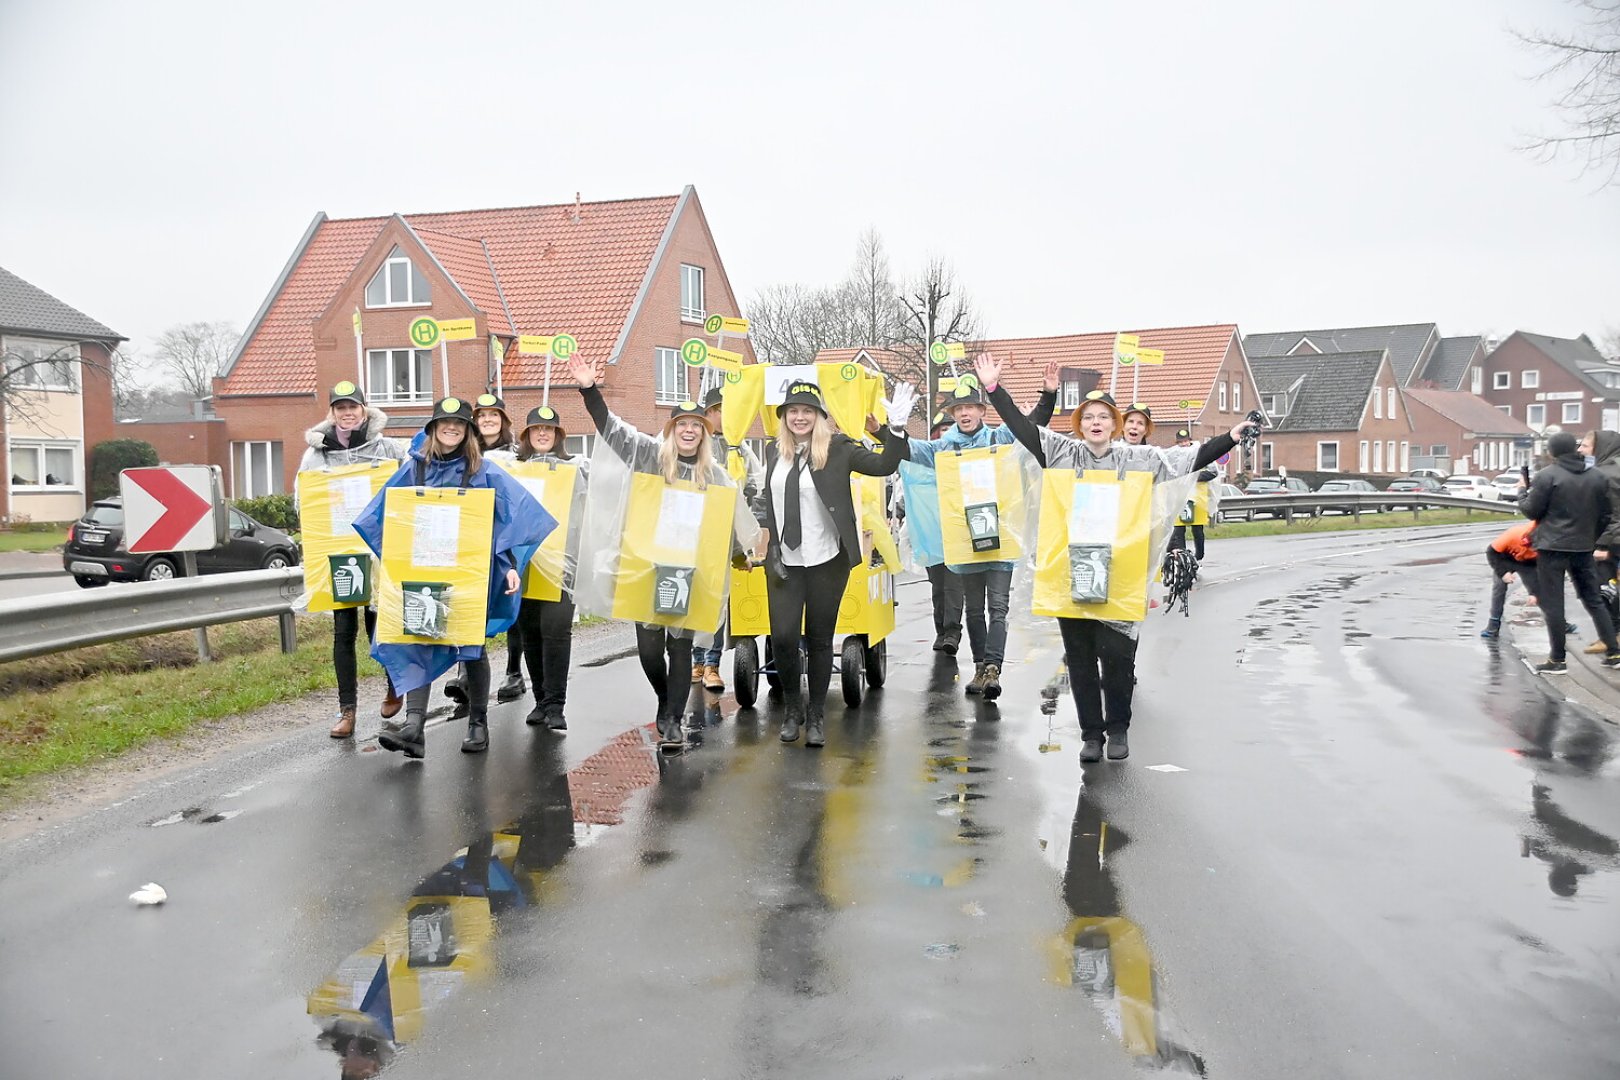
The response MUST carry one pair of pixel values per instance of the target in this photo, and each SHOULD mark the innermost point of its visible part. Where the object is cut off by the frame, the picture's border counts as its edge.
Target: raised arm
(1041, 414)
(1023, 428)
(635, 447)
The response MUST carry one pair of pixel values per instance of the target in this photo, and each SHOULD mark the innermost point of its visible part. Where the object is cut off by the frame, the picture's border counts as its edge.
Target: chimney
(576, 208)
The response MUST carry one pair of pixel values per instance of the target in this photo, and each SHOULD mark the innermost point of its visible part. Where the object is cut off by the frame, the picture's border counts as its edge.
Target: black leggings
(810, 597)
(1102, 675)
(345, 629)
(665, 655)
(477, 689)
(547, 637)
(514, 648)
(1178, 539)
(1551, 566)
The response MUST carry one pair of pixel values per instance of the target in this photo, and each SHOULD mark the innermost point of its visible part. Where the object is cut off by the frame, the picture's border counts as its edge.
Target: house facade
(1458, 432)
(1333, 412)
(1553, 384)
(629, 279)
(57, 405)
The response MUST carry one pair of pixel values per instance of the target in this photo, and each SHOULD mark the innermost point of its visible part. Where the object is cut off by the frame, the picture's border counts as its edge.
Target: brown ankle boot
(344, 728)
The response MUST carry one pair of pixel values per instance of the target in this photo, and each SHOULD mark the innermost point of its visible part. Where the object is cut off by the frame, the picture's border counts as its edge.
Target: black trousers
(1551, 566)
(1178, 539)
(515, 650)
(477, 689)
(810, 597)
(546, 632)
(949, 599)
(1102, 675)
(345, 631)
(666, 660)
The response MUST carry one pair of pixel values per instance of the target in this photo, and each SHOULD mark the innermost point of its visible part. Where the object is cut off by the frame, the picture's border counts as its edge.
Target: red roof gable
(556, 275)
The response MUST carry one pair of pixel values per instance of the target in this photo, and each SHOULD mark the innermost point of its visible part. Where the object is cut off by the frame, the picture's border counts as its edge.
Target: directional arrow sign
(170, 509)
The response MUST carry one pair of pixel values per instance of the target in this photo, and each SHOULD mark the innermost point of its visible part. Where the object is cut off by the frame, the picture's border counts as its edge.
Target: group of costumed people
(518, 534)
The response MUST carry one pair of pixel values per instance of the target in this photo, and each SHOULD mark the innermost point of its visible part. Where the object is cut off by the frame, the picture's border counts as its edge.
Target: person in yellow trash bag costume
(1101, 655)
(682, 451)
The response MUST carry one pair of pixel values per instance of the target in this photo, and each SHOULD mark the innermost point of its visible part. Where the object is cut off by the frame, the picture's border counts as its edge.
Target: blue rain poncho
(521, 526)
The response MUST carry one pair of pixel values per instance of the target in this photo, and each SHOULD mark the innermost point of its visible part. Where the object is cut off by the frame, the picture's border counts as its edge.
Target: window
(400, 375)
(255, 469)
(1377, 404)
(1237, 397)
(43, 365)
(1223, 397)
(1272, 404)
(1406, 457)
(692, 293)
(1529, 380)
(397, 283)
(1440, 450)
(1508, 409)
(1536, 416)
(1393, 415)
(1476, 383)
(1389, 454)
(1502, 380)
(1362, 467)
(1268, 456)
(669, 377)
(1572, 412)
(580, 445)
(1071, 394)
(1378, 456)
(44, 465)
(1327, 457)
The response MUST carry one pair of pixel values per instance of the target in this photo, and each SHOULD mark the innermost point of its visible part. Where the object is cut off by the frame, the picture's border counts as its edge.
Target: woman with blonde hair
(815, 539)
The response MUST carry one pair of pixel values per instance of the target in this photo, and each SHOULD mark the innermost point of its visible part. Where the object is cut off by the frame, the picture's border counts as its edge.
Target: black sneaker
(1118, 748)
(1091, 750)
(1554, 667)
(1612, 660)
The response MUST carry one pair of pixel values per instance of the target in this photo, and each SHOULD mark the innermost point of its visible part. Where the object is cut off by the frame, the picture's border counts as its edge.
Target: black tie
(790, 521)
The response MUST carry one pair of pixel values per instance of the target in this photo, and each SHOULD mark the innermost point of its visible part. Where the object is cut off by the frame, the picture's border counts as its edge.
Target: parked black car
(1277, 485)
(94, 553)
(1347, 486)
(1428, 485)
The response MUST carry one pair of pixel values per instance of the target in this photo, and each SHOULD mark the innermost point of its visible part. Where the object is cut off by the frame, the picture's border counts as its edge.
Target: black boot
(456, 688)
(952, 641)
(477, 740)
(814, 736)
(1119, 747)
(536, 717)
(670, 737)
(513, 688)
(1091, 750)
(405, 737)
(794, 720)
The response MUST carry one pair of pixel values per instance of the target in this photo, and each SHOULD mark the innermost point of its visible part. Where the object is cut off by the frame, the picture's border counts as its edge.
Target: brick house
(631, 279)
(58, 401)
(1418, 355)
(1333, 412)
(1205, 364)
(1458, 432)
(1552, 384)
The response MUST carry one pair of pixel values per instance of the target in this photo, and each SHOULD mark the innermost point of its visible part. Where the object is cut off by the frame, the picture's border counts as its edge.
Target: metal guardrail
(56, 622)
(1297, 504)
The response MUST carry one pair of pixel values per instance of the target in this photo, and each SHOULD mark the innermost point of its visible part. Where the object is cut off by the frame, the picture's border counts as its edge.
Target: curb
(23, 575)
(1588, 684)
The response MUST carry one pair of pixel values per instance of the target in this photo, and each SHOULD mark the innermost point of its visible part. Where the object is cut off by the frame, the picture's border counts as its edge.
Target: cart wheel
(851, 664)
(877, 663)
(745, 672)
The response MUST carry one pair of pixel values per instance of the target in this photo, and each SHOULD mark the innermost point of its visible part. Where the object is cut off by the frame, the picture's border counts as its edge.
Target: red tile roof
(556, 276)
(1192, 356)
(1469, 412)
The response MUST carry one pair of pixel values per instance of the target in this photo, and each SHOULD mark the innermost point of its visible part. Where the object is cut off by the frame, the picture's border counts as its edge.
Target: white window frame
(692, 288)
(1406, 457)
(1377, 403)
(1532, 419)
(1378, 455)
(1071, 394)
(38, 448)
(1507, 409)
(384, 394)
(1390, 408)
(662, 394)
(42, 364)
(1389, 454)
(1364, 459)
(242, 487)
(1476, 380)
(1222, 397)
(1501, 380)
(1530, 379)
(1321, 465)
(1440, 450)
(1268, 456)
(580, 446)
(1237, 397)
(411, 276)
(1571, 412)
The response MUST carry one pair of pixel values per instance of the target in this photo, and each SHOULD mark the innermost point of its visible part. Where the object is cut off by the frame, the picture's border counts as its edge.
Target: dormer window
(398, 283)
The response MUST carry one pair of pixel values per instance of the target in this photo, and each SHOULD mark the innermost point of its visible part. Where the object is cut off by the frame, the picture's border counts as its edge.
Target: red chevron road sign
(175, 508)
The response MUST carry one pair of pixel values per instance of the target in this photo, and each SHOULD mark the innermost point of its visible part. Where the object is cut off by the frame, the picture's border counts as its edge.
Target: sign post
(424, 335)
(1124, 356)
(178, 508)
(1144, 358)
(558, 346)
(359, 355)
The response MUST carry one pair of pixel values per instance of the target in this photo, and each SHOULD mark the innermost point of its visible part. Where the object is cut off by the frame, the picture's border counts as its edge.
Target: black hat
(1183, 434)
(346, 391)
(940, 420)
(450, 408)
(803, 393)
(711, 400)
(692, 409)
(492, 401)
(1137, 406)
(1095, 396)
(541, 416)
(964, 394)
(1561, 444)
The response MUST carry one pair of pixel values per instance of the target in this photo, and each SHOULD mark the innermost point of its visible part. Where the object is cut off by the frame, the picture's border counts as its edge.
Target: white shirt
(818, 536)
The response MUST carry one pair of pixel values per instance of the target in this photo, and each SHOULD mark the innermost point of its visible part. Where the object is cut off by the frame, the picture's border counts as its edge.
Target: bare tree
(876, 302)
(193, 353)
(1585, 64)
(28, 371)
(935, 307)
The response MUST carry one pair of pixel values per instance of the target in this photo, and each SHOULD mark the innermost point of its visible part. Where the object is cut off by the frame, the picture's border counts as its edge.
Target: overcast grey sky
(1086, 166)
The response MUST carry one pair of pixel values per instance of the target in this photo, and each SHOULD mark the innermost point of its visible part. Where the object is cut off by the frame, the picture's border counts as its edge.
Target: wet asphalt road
(1390, 854)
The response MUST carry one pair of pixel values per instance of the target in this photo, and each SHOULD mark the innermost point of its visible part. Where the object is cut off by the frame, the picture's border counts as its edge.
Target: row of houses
(633, 279)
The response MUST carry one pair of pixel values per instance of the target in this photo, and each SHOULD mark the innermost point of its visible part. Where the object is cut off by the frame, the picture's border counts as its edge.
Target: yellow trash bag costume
(329, 501)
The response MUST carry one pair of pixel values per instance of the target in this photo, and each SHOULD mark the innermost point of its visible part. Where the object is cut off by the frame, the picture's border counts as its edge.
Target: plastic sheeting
(560, 487)
(329, 501)
(922, 515)
(435, 565)
(986, 484)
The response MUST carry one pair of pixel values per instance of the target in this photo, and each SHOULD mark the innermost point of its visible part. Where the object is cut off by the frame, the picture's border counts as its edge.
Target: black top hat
(542, 416)
(492, 401)
(346, 391)
(450, 408)
(803, 393)
(964, 394)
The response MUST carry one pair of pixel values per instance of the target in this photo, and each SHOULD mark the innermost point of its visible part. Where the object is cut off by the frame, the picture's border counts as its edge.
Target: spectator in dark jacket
(1570, 505)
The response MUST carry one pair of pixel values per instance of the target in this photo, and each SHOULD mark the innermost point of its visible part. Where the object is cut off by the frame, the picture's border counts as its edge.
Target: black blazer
(844, 456)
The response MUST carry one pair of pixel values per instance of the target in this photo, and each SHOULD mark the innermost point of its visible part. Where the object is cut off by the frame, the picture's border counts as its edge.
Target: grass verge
(75, 708)
(1399, 519)
(47, 540)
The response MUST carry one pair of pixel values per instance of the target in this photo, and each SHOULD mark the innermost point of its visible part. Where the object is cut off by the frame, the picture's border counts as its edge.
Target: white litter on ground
(151, 893)
(1165, 768)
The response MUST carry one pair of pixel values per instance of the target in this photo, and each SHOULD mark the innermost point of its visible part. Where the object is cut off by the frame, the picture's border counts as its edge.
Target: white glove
(900, 405)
